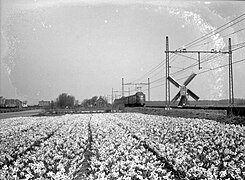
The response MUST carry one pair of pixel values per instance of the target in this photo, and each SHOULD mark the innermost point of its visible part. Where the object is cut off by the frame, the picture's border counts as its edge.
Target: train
(136, 100)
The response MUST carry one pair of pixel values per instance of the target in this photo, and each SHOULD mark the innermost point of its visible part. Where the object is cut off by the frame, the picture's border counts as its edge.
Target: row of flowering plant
(118, 155)
(53, 147)
(120, 146)
(203, 149)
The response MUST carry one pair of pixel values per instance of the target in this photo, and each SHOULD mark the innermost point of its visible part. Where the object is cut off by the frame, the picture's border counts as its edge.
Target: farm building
(2, 101)
(101, 102)
(13, 103)
(44, 103)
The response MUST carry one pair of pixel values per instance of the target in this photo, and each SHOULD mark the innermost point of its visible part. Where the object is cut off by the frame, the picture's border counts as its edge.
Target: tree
(85, 103)
(90, 102)
(65, 100)
(52, 104)
(93, 100)
(105, 98)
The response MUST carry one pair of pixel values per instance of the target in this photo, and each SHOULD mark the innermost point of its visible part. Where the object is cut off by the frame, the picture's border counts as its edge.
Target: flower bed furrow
(12, 146)
(85, 170)
(120, 146)
(200, 148)
(58, 156)
(120, 156)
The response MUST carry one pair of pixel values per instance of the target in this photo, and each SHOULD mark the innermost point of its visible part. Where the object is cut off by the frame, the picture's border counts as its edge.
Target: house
(44, 103)
(2, 101)
(24, 104)
(13, 103)
(101, 102)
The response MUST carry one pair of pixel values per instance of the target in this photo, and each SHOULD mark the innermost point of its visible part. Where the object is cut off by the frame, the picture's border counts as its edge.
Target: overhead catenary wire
(154, 69)
(215, 31)
(236, 62)
(196, 63)
(162, 78)
(209, 42)
(238, 48)
(183, 69)
(208, 58)
(202, 38)
(150, 72)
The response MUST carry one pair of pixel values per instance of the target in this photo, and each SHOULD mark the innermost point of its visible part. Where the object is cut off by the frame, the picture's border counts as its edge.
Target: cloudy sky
(85, 47)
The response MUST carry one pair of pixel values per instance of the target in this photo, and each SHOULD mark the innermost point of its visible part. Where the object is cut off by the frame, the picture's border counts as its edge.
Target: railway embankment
(216, 115)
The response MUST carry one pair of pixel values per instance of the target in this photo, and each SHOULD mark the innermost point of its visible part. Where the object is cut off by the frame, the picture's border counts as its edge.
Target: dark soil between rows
(216, 115)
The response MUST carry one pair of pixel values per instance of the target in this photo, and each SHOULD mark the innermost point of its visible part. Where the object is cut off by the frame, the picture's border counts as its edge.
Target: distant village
(16, 103)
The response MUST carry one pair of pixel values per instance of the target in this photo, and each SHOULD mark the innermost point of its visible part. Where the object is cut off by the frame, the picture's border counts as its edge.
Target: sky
(85, 47)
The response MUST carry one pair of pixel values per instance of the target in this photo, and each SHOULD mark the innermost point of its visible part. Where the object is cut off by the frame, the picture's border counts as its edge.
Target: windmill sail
(192, 94)
(172, 80)
(189, 79)
(183, 90)
(176, 97)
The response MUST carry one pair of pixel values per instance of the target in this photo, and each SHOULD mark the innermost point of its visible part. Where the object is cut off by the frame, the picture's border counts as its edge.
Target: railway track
(235, 110)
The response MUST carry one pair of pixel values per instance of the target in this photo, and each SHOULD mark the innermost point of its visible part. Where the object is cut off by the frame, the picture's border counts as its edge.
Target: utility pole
(149, 89)
(231, 94)
(122, 87)
(167, 75)
(112, 96)
(115, 95)
(231, 90)
(140, 84)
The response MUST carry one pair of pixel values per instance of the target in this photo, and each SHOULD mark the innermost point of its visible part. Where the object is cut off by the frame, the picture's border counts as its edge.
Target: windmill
(184, 91)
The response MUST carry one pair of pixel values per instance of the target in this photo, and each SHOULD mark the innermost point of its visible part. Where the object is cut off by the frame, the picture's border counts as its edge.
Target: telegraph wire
(211, 69)
(235, 45)
(216, 32)
(238, 48)
(155, 68)
(208, 57)
(202, 38)
(188, 67)
(184, 69)
(213, 32)
(161, 78)
(187, 57)
(163, 84)
(194, 64)
(151, 71)
(159, 72)
(222, 37)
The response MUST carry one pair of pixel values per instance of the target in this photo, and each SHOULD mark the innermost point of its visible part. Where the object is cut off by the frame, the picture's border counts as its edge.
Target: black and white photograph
(122, 90)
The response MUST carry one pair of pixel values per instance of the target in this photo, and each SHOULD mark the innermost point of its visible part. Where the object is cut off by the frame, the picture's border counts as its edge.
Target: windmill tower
(184, 91)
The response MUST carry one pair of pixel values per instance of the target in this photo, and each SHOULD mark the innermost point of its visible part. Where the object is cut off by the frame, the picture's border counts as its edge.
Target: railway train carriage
(135, 100)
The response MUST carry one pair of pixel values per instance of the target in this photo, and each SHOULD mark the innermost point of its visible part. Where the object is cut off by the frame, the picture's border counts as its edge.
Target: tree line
(65, 100)
(92, 102)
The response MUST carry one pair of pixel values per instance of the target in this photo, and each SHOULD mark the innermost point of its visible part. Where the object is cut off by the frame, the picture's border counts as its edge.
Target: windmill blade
(175, 98)
(192, 94)
(172, 80)
(189, 79)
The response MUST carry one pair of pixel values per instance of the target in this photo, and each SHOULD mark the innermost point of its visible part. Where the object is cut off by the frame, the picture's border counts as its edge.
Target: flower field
(120, 146)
